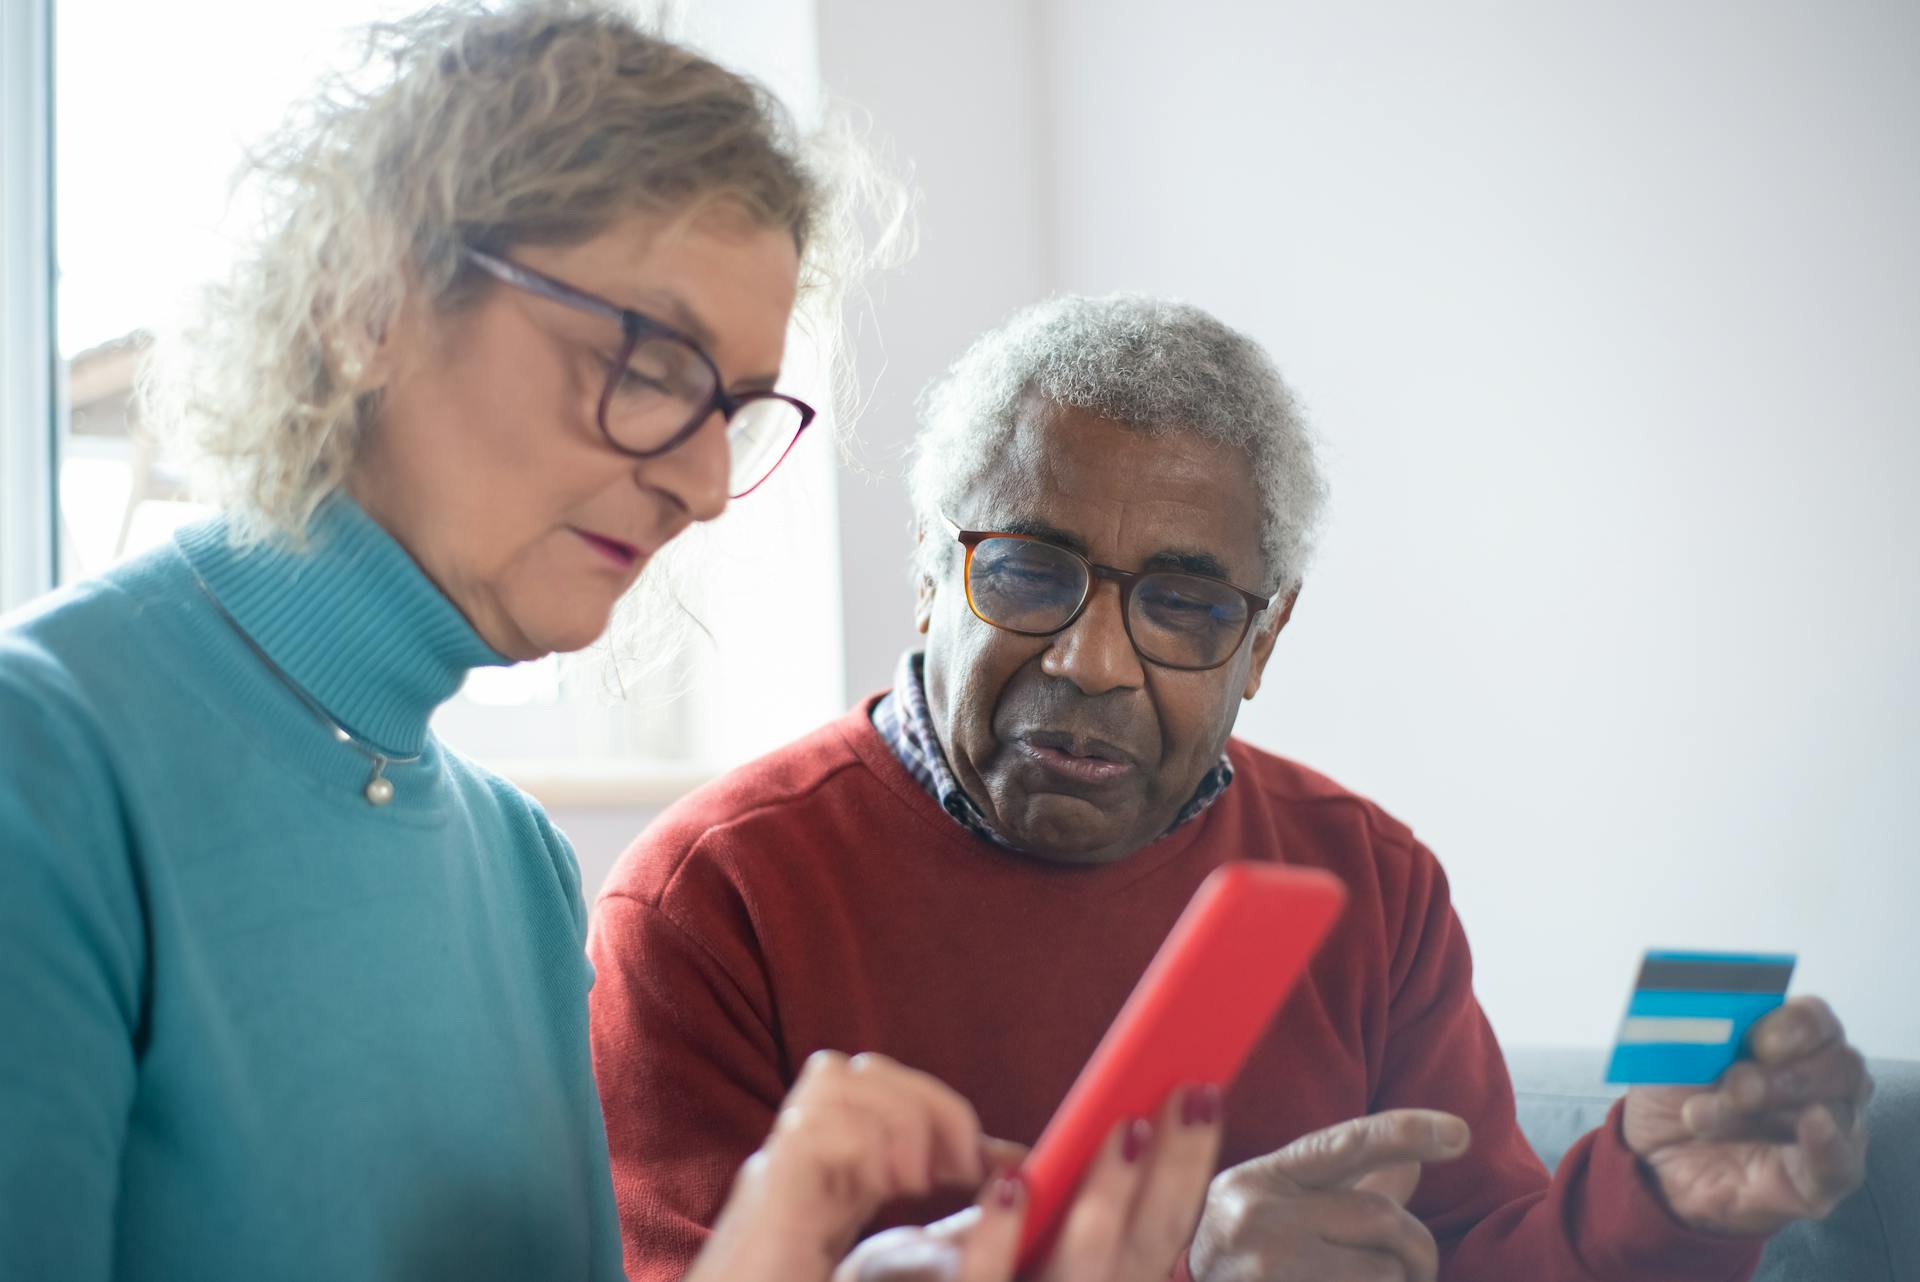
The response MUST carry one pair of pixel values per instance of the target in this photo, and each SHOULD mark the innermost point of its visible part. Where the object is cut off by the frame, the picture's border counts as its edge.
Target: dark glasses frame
(1127, 579)
(635, 328)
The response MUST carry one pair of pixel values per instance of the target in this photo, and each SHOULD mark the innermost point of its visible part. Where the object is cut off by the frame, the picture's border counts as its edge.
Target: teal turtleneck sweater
(252, 1026)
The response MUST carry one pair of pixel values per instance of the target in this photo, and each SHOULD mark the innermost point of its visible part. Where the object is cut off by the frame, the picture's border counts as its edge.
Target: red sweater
(819, 898)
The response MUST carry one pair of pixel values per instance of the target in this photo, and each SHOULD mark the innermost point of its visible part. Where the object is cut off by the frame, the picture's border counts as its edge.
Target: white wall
(1610, 318)
(600, 834)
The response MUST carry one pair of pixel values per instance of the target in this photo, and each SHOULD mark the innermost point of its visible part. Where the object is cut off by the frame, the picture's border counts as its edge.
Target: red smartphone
(1229, 962)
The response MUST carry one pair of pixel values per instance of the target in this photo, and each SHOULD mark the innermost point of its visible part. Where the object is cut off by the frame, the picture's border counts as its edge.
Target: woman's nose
(698, 473)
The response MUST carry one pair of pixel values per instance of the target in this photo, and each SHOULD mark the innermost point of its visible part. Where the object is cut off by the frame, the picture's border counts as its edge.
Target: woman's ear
(364, 363)
(370, 359)
(371, 348)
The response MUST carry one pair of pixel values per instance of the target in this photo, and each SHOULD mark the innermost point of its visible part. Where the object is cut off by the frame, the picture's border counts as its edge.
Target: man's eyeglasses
(661, 386)
(1020, 583)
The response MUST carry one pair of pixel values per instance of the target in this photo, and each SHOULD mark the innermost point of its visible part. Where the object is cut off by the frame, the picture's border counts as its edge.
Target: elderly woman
(290, 989)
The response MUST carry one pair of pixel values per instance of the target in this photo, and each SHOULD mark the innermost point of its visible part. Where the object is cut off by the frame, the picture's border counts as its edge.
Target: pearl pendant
(379, 790)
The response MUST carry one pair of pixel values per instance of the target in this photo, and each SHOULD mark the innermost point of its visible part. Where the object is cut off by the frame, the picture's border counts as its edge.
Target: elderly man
(1115, 498)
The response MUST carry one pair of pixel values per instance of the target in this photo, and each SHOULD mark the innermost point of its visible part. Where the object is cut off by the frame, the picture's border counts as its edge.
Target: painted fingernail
(1008, 1190)
(1139, 1133)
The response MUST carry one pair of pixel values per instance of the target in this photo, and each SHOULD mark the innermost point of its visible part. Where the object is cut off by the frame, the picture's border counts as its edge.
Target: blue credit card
(1688, 1019)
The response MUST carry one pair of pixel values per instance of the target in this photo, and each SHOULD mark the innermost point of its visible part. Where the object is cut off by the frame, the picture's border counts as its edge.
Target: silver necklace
(379, 789)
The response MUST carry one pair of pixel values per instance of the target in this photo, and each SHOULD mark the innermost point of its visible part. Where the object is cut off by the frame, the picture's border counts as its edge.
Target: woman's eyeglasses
(1024, 584)
(661, 386)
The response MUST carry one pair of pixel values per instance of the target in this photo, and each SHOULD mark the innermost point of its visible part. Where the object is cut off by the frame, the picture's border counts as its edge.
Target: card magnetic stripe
(1715, 974)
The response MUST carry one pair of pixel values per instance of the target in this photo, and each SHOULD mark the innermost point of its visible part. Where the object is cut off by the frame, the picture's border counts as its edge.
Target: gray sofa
(1874, 1236)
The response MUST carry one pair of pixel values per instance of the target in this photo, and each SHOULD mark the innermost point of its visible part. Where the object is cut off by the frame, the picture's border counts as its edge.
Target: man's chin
(1061, 828)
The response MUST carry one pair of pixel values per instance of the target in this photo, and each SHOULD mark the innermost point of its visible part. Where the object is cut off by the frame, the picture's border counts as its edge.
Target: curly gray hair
(1146, 363)
(494, 123)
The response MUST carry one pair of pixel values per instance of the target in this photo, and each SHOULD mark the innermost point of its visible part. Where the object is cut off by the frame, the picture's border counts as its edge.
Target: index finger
(1339, 1155)
(953, 1128)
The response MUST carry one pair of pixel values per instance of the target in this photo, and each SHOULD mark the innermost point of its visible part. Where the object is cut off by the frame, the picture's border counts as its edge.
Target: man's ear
(923, 605)
(1263, 639)
(922, 590)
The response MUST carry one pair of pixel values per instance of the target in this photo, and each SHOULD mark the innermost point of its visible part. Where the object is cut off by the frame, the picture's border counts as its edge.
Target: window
(152, 107)
(26, 358)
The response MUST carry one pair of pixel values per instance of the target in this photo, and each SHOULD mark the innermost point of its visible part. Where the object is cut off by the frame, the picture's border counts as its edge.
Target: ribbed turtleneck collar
(352, 619)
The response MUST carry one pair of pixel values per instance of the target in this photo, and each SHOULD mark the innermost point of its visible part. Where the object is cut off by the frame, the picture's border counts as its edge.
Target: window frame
(29, 423)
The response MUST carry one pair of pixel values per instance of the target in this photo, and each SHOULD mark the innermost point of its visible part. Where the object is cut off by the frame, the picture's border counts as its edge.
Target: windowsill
(610, 784)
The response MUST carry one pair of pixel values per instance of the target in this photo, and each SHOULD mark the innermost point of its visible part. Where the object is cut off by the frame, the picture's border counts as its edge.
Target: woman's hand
(854, 1134)
(1131, 1220)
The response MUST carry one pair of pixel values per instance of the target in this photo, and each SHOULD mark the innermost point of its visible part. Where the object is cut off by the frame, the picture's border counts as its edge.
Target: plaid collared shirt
(902, 719)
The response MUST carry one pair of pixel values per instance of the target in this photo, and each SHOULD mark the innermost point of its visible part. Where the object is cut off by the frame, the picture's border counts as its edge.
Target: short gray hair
(1148, 364)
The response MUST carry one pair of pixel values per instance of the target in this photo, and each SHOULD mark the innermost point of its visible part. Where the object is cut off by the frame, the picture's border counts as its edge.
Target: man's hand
(1329, 1207)
(1782, 1137)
